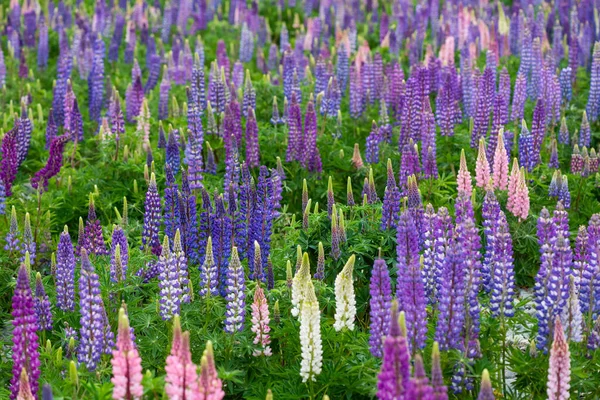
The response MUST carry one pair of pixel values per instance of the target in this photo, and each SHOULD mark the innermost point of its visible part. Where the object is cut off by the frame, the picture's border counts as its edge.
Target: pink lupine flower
(559, 373)
(518, 193)
(260, 323)
(210, 387)
(181, 381)
(500, 168)
(513, 183)
(482, 166)
(127, 364)
(463, 178)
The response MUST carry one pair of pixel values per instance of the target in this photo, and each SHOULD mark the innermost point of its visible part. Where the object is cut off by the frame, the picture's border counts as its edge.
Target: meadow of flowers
(327, 199)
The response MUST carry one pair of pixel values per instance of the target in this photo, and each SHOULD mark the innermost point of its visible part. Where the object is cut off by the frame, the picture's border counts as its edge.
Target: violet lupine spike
(252, 146)
(538, 128)
(410, 284)
(527, 157)
(391, 201)
(152, 218)
(553, 162)
(119, 238)
(93, 231)
(51, 129)
(380, 304)
(221, 233)
(519, 98)
(485, 98)
(571, 315)
(9, 163)
(65, 273)
(503, 279)
(593, 105)
(235, 296)
(440, 391)
(169, 283)
(584, 131)
(172, 215)
(392, 381)
(23, 135)
(312, 157)
(28, 244)
(590, 275)
(372, 145)
(91, 342)
(295, 132)
(418, 386)
(165, 87)
(53, 165)
(490, 213)
(320, 272)
(486, 392)
(25, 351)
(2, 197)
(172, 152)
(96, 79)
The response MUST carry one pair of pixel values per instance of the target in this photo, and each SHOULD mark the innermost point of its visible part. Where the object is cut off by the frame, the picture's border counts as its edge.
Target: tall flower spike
(392, 381)
(440, 391)
(42, 305)
(335, 235)
(126, 363)
(486, 392)
(25, 351)
(559, 371)
(260, 323)
(12, 237)
(65, 273)
(418, 386)
(482, 166)
(181, 381)
(299, 284)
(503, 279)
(210, 387)
(380, 304)
(152, 217)
(235, 294)
(463, 178)
(93, 231)
(513, 183)
(571, 317)
(310, 335)
(209, 272)
(345, 302)
(320, 272)
(168, 283)
(500, 167)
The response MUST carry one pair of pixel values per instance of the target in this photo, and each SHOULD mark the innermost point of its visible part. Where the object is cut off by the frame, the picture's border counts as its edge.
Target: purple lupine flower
(51, 129)
(564, 196)
(330, 197)
(172, 152)
(440, 391)
(235, 295)
(163, 102)
(430, 273)
(42, 54)
(168, 283)
(415, 206)
(221, 233)
(12, 236)
(410, 284)
(527, 155)
(65, 273)
(76, 123)
(9, 163)
(538, 128)
(134, 96)
(380, 303)
(42, 305)
(25, 353)
(209, 273)
(584, 130)
(96, 79)
(295, 133)
(589, 267)
(311, 159)
(390, 211)
(172, 215)
(392, 381)
(93, 231)
(275, 119)
(503, 280)
(519, 98)
(91, 343)
(490, 214)
(357, 104)
(593, 105)
(485, 97)
(246, 44)
(2, 197)
(194, 151)
(445, 107)
(553, 162)
(28, 244)
(53, 165)
(152, 217)
(289, 68)
(372, 146)
(249, 99)
(273, 61)
(418, 386)
(409, 165)
(566, 90)
(451, 298)
(119, 238)
(320, 272)
(23, 135)
(252, 150)
(205, 225)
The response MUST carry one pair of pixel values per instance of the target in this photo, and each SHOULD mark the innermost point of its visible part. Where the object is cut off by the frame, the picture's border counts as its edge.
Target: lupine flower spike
(464, 176)
(559, 371)
(345, 303)
(482, 166)
(126, 363)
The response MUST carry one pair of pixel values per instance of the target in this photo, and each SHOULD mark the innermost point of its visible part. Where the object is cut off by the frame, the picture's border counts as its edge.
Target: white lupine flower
(299, 285)
(345, 303)
(310, 335)
(571, 317)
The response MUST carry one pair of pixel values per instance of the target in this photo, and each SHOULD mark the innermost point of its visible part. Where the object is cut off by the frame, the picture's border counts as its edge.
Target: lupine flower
(571, 317)
(299, 283)
(482, 166)
(12, 237)
(513, 183)
(500, 166)
(42, 305)
(93, 231)
(503, 279)
(335, 234)
(563, 193)
(519, 195)
(172, 152)
(589, 265)
(553, 162)
(486, 392)
(54, 164)
(181, 380)
(320, 272)
(356, 157)
(25, 351)
(310, 335)
(577, 161)
(65, 273)
(345, 303)
(235, 294)
(418, 386)
(172, 215)
(2, 197)
(559, 371)
(260, 323)
(393, 379)
(440, 391)
(390, 211)
(210, 387)
(593, 105)
(380, 304)
(463, 179)
(373, 141)
(119, 238)
(163, 104)
(584, 131)
(152, 217)
(209, 272)
(126, 363)
(24, 387)
(169, 283)
(252, 150)
(9, 163)
(93, 324)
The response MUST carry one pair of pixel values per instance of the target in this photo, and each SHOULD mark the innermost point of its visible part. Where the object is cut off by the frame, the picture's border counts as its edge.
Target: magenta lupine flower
(152, 217)
(260, 323)
(9, 163)
(93, 231)
(559, 371)
(463, 179)
(12, 237)
(126, 363)
(577, 161)
(410, 288)
(181, 380)
(25, 353)
(210, 387)
(380, 303)
(93, 316)
(42, 305)
(53, 165)
(252, 147)
(418, 386)
(392, 381)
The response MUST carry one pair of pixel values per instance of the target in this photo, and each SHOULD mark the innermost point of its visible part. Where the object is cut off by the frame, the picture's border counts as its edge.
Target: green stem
(502, 322)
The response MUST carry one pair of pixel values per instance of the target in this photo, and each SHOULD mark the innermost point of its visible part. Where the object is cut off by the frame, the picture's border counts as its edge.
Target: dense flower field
(207, 199)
